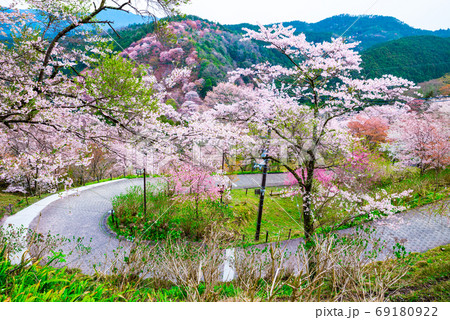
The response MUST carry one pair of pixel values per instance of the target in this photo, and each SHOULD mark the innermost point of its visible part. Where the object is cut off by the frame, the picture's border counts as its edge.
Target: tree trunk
(308, 219)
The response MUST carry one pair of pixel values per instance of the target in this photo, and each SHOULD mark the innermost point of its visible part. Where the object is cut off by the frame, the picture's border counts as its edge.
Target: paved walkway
(418, 230)
(27, 217)
(80, 215)
(248, 181)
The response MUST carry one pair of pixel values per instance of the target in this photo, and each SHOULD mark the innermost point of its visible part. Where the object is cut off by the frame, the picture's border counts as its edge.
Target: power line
(116, 42)
(398, 67)
(359, 17)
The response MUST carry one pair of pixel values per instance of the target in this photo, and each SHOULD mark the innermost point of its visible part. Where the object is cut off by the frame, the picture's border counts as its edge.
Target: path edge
(25, 217)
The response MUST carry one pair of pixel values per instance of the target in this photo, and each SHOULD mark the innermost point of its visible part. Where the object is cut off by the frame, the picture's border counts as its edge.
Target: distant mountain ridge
(123, 19)
(369, 29)
(120, 19)
(211, 50)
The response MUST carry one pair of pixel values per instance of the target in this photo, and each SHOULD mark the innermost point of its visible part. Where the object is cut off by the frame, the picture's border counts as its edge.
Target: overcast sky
(424, 14)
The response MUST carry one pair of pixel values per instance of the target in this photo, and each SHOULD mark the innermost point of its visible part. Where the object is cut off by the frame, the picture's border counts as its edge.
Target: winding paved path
(80, 215)
(418, 230)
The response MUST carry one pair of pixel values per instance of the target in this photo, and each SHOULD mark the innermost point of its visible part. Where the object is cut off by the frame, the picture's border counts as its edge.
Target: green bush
(165, 216)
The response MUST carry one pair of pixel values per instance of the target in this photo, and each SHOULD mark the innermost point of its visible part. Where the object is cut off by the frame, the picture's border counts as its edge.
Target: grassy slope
(282, 215)
(436, 87)
(279, 214)
(18, 202)
(7, 199)
(428, 280)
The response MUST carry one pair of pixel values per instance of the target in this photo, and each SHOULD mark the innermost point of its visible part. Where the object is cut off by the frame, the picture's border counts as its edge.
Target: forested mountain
(419, 58)
(206, 47)
(368, 29)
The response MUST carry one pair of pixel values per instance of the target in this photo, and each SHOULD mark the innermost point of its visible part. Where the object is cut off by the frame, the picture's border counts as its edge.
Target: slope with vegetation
(205, 47)
(436, 87)
(416, 277)
(421, 56)
(418, 58)
(216, 49)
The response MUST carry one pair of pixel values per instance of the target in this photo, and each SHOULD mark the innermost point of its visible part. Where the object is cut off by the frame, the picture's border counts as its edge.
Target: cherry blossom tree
(419, 140)
(172, 55)
(374, 129)
(102, 163)
(301, 107)
(33, 79)
(192, 184)
(38, 161)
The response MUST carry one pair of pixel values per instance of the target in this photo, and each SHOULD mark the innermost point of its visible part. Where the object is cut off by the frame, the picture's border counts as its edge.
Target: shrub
(166, 216)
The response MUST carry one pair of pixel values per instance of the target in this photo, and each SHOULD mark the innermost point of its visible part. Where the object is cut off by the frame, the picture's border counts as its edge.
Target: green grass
(165, 216)
(46, 284)
(8, 198)
(428, 280)
(18, 202)
(282, 214)
(279, 215)
(427, 188)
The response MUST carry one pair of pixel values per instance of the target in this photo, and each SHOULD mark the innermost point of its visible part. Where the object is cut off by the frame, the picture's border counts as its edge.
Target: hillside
(369, 30)
(207, 48)
(212, 50)
(419, 58)
(436, 87)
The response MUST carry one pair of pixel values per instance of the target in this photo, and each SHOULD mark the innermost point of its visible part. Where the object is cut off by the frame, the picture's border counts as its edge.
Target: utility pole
(145, 183)
(145, 194)
(265, 156)
(223, 161)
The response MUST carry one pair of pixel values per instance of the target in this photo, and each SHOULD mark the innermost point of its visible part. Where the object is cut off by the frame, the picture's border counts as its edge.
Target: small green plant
(400, 251)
